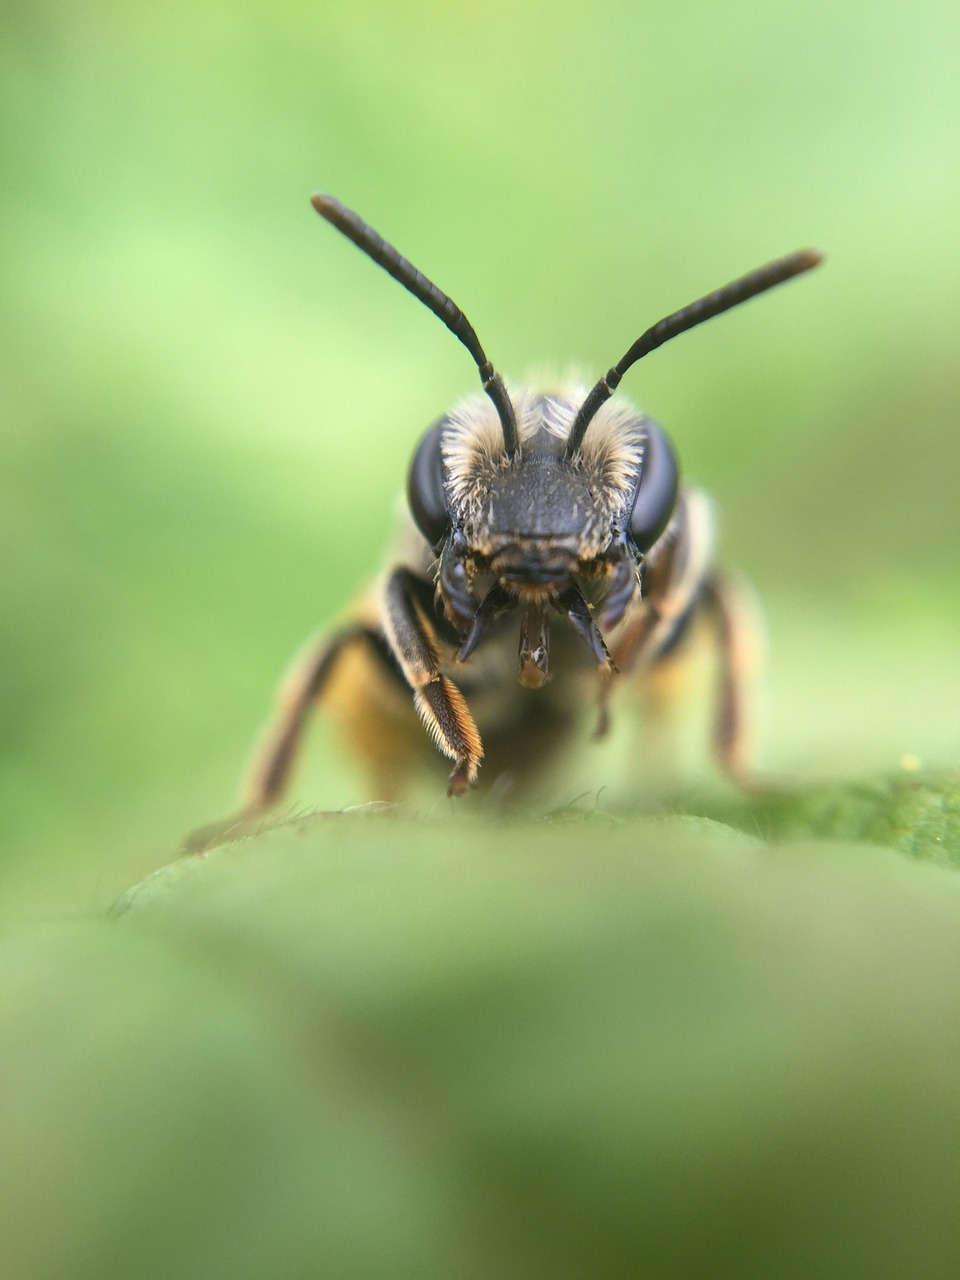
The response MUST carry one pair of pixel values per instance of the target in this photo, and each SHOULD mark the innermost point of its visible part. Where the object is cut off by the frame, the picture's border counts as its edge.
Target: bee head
(541, 527)
(528, 493)
(541, 515)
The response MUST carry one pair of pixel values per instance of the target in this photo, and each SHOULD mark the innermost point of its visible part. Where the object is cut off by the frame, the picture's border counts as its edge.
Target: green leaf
(370, 1045)
(919, 814)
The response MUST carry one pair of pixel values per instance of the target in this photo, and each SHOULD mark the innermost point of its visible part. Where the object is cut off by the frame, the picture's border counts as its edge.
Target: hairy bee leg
(738, 639)
(439, 703)
(275, 756)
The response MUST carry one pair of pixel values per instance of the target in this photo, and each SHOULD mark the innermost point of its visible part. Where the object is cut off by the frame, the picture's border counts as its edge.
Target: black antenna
(444, 308)
(731, 295)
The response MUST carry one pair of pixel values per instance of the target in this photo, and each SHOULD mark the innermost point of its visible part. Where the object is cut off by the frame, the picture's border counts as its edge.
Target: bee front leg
(438, 701)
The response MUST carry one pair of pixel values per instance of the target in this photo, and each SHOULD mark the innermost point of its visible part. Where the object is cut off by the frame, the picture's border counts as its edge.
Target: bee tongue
(534, 647)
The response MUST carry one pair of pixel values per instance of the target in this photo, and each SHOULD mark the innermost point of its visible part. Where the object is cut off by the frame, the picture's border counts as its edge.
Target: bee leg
(673, 575)
(738, 640)
(679, 586)
(274, 758)
(438, 701)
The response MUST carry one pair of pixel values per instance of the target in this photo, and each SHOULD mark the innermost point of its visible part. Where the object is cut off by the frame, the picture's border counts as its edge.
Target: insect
(526, 508)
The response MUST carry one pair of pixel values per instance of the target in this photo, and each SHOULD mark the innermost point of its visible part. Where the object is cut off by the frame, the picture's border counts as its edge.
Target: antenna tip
(324, 205)
(808, 258)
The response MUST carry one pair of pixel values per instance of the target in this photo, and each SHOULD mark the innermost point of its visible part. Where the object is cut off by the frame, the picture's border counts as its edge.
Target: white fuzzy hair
(610, 456)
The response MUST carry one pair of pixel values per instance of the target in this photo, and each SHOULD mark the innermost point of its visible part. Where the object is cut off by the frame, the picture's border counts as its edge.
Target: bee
(561, 511)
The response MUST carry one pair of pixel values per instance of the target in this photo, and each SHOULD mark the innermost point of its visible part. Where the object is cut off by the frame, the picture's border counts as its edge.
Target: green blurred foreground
(367, 1046)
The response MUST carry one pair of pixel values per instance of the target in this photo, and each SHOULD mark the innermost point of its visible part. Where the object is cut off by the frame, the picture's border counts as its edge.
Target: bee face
(538, 523)
(539, 495)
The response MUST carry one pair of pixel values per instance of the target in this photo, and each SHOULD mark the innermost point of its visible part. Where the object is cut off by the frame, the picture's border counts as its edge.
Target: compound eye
(425, 492)
(656, 492)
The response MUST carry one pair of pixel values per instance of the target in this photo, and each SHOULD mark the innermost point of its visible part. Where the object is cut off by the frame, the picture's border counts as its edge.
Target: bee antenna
(731, 295)
(444, 308)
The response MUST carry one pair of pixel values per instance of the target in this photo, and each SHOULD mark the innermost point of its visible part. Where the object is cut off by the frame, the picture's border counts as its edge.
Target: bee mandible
(531, 505)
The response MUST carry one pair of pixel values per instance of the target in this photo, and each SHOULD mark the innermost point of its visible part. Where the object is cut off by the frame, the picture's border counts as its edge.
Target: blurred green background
(209, 399)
